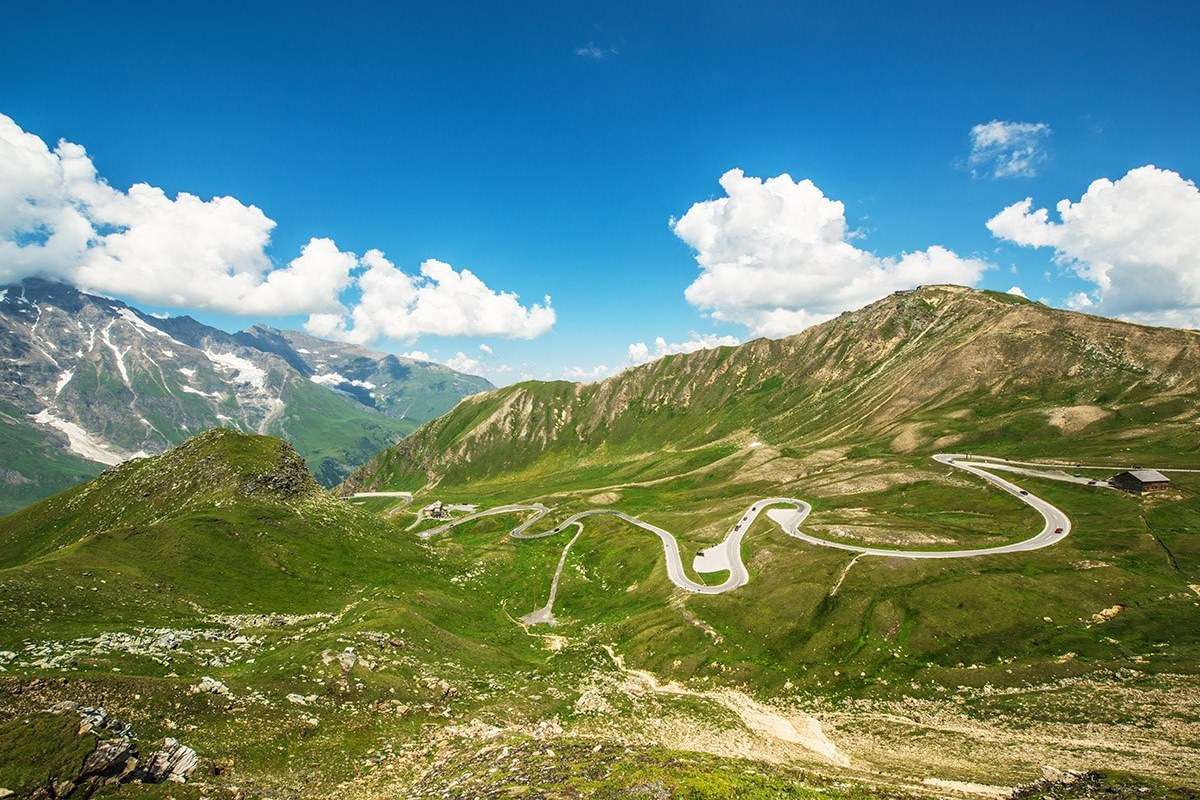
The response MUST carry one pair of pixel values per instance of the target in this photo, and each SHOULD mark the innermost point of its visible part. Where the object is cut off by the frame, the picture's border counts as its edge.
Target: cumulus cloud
(1079, 301)
(41, 230)
(461, 362)
(485, 348)
(1008, 149)
(640, 353)
(775, 255)
(440, 301)
(586, 375)
(60, 219)
(416, 355)
(1017, 291)
(1136, 239)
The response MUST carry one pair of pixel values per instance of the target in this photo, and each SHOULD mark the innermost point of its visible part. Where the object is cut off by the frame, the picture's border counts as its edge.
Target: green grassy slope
(980, 670)
(847, 415)
(333, 432)
(913, 373)
(227, 551)
(32, 468)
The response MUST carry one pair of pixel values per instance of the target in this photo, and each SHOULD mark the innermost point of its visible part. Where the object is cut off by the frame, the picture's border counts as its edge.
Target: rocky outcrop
(10, 477)
(289, 478)
(173, 762)
(114, 757)
(113, 760)
(209, 685)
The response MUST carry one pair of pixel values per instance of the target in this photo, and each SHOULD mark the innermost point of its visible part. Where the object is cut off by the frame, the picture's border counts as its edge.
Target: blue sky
(545, 147)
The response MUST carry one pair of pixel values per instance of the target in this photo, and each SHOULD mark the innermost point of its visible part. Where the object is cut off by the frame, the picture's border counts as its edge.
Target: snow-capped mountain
(399, 387)
(87, 381)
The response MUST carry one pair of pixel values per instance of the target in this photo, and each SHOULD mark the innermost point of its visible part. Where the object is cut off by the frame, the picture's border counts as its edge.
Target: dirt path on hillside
(793, 728)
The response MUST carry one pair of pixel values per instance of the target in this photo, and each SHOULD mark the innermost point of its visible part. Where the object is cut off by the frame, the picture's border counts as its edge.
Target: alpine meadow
(520, 459)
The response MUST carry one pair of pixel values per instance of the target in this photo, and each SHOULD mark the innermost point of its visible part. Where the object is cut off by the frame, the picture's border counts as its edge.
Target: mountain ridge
(867, 377)
(88, 381)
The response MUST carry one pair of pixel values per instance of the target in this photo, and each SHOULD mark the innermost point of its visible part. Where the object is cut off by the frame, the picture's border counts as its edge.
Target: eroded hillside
(901, 374)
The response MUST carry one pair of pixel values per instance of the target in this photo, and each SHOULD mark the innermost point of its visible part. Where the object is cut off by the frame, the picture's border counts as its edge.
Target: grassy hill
(918, 371)
(362, 661)
(846, 415)
(34, 467)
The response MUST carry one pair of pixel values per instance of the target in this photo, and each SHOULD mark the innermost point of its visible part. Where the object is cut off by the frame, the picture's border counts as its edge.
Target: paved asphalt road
(728, 553)
(1057, 524)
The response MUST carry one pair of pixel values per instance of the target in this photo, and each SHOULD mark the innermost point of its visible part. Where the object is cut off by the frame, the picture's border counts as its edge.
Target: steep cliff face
(911, 366)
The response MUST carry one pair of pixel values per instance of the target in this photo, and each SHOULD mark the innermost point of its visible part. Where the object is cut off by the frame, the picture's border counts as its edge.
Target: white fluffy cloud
(1079, 301)
(60, 219)
(461, 362)
(1008, 149)
(586, 375)
(416, 355)
(486, 348)
(41, 230)
(440, 301)
(1017, 291)
(640, 353)
(775, 255)
(1137, 240)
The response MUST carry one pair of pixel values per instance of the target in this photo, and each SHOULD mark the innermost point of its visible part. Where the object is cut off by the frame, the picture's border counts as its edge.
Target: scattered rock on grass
(209, 685)
(173, 762)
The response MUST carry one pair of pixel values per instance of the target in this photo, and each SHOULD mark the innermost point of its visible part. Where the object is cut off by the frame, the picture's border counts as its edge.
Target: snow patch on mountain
(118, 354)
(144, 327)
(276, 407)
(336, 378)
(210, 395)
(82, 443)
(246, 371)
(63, 380)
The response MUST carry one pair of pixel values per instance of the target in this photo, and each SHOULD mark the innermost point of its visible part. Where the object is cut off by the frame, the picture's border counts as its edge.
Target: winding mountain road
(726, 555)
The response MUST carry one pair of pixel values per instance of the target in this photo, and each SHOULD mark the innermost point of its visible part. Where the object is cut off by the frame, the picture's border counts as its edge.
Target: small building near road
(1140, 481)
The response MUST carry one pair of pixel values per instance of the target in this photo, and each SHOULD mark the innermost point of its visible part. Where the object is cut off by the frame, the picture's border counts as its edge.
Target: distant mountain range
(87, 381)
